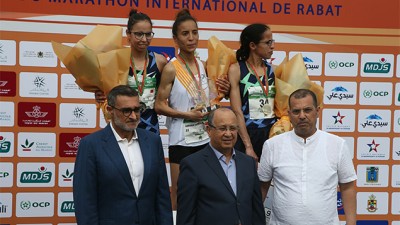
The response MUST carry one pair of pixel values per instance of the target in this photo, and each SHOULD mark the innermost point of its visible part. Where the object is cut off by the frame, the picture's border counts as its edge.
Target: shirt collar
(134, 137)
(310, 139)
(220, 155)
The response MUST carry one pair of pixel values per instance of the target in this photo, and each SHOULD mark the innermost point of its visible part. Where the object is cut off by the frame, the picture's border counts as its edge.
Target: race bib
(195, 131)
(149, 90)
(261, 107)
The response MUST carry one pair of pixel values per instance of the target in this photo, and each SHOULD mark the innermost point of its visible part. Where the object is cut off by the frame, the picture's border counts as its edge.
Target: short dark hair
(302, 93)
(120, 90)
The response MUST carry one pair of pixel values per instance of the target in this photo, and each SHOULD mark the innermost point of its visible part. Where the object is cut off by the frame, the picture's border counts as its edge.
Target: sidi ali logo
(309, 63)
(374, 121)
(382, 66)
(5, 146)
(26, 147)
(40, 176)
(340, 93)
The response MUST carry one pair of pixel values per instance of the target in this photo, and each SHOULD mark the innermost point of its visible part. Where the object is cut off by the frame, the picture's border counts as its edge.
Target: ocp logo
(36, 177)
(5, 146)
(335, 64)
(370, 93)
(367, 93)
(4, 174)
(377, 67)
(25, 205)
(68, 207)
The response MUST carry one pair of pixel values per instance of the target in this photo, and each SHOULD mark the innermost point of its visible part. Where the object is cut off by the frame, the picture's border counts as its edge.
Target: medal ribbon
(265, 90)
(140, 86)
(198, 84)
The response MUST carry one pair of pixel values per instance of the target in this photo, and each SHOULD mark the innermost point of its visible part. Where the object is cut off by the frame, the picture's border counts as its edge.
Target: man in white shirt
(306, 165)
(120, 175)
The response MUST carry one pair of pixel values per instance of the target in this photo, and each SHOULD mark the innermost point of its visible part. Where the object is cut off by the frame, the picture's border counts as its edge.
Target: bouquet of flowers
(98, 61)
(291, 75)
(219, 59)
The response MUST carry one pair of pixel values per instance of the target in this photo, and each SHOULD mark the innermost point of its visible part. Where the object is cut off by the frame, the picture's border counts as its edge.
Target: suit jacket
(103, 189)
(205, 196)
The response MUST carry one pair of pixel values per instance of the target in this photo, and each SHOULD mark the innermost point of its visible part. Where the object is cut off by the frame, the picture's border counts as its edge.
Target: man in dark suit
(218, 185)
(120, 174)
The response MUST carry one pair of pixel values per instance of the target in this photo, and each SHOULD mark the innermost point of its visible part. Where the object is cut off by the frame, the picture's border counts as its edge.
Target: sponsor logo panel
(36, 144)
(398, 66)
(396, 122)
(7, 114)
(165, 144)
(6, 206)
(69, 143)
(6, 144)
(396, 176)
(38, 54)
(36, 114)
(38, 85)
(396, 148)
(312, 62)
(373, 93)
(35, 174)
(69, 89)
(75, 115)
(338, 120)
(377, 65)
(8, 52)
(373, 148)
(372, 175)
(340, 93)
(65, 174)
(374, 120)
(397, 94)
(341, 64)
(6, 174)
(30, 204)
(396, 203)
(8, 83)
(66, 205)
(372, 203)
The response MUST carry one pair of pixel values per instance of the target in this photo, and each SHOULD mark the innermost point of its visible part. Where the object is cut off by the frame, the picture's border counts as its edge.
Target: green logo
(377, 67)
(5, 146)
(67, 207)
(36, 177)
(67, 176)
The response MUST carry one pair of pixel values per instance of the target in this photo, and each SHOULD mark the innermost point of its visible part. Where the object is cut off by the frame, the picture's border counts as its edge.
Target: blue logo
(306, 59)
(340, 89)
(340, 207)
(372, 222)
(374, 117)
(167, 52)
(372, 174)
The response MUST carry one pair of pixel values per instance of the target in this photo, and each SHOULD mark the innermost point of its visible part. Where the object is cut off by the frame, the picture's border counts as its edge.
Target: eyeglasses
(224, 129)
(269, 43)
(139, 35)
(128, 111)
(305, 110)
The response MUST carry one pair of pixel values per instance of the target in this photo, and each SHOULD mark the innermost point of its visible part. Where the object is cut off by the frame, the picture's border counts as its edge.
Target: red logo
(69, 143)
(8, 83)
(35, 114)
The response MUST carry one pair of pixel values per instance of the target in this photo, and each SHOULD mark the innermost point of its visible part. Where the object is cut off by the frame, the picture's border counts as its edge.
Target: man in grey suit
(219, 185)
(120, 175)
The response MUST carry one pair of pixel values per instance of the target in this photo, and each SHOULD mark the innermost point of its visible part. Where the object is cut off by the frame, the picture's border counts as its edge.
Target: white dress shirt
(305, 176)
(133, 158)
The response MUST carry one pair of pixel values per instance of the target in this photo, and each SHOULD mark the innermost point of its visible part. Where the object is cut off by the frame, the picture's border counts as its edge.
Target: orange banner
(333, 13)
